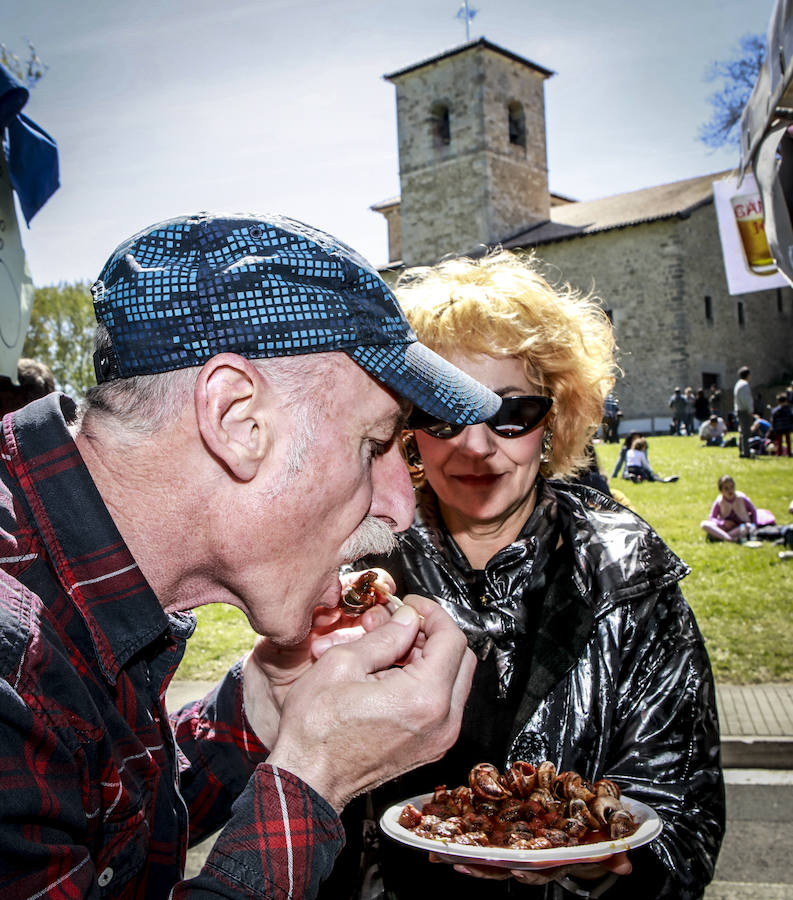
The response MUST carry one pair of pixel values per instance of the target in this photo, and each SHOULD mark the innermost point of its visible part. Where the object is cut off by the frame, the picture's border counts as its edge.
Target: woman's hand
(543, 873)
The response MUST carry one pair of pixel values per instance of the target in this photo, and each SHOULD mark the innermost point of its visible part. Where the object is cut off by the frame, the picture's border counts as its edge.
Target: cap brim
(430, 382)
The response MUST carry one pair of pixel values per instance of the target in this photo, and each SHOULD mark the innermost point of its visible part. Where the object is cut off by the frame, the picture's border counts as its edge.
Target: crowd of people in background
(762, 429)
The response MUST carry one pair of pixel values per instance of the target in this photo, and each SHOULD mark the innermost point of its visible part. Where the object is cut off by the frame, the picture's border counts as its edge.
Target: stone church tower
(472, 153)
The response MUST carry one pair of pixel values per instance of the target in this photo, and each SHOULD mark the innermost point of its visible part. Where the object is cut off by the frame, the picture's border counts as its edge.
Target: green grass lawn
(742, 597)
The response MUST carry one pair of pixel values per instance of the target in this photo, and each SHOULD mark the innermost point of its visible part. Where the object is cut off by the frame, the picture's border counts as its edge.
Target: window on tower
(439, 120)
(516, 124)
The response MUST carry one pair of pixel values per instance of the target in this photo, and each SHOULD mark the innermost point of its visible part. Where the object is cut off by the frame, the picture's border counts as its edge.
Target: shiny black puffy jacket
(619, 682)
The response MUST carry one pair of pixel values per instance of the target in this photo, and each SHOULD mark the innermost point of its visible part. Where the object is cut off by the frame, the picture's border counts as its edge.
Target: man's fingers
(392, 639)
(322, 644)
(381, 648)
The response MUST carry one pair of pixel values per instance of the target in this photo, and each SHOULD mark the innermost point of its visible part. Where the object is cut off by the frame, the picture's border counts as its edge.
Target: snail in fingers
(364, 593)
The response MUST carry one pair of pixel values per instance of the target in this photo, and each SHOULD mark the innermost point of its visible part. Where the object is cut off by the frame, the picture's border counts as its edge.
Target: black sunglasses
(516, 417)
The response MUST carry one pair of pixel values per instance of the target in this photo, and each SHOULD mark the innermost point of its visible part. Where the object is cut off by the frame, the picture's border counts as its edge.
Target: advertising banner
(748, 262)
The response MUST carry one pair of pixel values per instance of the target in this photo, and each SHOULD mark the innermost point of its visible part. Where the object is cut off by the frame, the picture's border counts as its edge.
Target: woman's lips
(486, 480)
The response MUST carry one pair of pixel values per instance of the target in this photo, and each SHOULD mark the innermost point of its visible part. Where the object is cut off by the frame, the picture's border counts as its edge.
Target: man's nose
(392, 495)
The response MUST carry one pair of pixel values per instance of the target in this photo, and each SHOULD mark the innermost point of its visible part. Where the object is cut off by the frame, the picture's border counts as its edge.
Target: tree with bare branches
(737, 77)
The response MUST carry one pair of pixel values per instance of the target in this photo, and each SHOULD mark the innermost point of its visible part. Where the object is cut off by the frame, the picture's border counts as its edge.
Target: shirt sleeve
(280, 838)
(281, 842)
(218, 753)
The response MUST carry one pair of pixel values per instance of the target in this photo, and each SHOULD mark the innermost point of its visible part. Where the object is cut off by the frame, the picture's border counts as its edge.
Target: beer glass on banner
(748, 210)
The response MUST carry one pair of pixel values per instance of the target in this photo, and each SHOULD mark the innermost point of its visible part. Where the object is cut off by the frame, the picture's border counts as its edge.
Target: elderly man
(241, 445)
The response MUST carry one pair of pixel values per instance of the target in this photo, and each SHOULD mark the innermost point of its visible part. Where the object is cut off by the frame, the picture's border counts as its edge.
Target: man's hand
(354, 719)
(270, 669)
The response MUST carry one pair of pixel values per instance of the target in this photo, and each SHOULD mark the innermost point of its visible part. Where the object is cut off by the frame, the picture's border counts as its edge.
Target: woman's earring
(546, 451)
(412, 457)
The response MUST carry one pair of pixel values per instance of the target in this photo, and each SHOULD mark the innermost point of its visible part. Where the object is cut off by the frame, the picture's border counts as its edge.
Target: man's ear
(232, 414)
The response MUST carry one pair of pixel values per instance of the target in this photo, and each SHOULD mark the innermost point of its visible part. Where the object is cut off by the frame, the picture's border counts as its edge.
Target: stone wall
(653, 279)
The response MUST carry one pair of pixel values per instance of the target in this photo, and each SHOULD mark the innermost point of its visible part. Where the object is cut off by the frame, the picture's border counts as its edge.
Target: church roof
(386, 204)
(480, 42)
(570, 220)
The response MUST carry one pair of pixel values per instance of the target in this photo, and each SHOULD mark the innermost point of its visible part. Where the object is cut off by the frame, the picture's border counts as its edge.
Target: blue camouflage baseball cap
(184, 290)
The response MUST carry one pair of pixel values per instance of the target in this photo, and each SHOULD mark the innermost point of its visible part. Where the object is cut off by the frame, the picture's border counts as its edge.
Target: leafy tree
(61, 334)
(737, 77)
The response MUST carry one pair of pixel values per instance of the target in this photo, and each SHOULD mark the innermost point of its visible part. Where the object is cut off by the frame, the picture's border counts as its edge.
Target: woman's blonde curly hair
(502, 306)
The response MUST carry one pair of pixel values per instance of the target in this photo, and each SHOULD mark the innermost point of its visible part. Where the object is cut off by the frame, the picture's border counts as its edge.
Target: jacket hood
(617, 554)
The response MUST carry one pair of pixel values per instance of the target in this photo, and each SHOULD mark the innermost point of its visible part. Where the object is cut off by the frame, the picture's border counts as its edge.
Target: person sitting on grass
(638, 465)
(626, 446)
(759, 442)
(732, 516)
(712, 431)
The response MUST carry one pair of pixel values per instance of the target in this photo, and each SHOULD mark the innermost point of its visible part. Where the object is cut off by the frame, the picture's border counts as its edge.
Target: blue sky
(167, 108)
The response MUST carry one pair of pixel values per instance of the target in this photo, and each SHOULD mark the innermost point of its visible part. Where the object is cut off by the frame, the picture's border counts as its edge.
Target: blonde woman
(588, 654)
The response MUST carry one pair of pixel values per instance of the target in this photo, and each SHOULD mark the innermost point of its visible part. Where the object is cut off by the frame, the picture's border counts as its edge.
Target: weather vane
(466, 12)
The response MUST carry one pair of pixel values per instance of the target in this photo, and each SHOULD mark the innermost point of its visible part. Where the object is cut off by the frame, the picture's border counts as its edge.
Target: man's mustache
(372, 536)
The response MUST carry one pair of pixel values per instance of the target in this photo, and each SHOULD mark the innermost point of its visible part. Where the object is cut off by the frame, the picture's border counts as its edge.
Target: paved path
(756, 725)
(756, 721)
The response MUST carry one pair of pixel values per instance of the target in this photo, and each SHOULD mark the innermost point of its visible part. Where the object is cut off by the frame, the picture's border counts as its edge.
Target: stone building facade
(662, 283)
(653, 256)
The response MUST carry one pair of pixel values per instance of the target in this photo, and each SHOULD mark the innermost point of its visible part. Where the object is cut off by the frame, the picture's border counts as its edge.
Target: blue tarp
(31, 153)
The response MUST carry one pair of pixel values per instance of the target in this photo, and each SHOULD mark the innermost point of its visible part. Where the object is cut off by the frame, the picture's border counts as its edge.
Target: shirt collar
(86, 552)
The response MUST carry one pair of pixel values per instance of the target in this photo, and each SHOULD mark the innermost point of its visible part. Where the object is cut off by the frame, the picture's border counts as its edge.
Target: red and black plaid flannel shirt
(100, 794)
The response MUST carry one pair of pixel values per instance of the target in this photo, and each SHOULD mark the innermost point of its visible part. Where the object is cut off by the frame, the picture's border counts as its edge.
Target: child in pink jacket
(732, 516)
